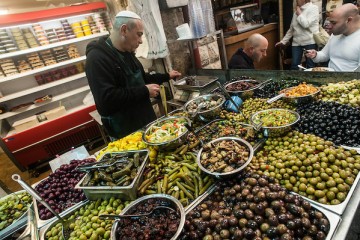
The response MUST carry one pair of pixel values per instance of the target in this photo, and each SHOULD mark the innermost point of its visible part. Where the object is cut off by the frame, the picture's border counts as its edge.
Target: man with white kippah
(121, 88)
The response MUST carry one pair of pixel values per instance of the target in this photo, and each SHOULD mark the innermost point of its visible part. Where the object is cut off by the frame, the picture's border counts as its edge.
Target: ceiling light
(4, 11)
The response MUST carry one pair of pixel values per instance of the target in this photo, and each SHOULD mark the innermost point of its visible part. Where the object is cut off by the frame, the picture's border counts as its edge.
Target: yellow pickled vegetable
(131, 142)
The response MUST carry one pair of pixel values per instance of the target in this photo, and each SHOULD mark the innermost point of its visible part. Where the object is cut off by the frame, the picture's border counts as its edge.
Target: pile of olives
(251, 106)
(342, 92)
(88, 225)
(13, 207)
(333, 121)
(272, 88)
(309, 165)
(254, 208)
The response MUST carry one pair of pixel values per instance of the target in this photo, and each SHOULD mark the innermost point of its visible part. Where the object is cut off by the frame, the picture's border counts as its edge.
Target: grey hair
(129, 22)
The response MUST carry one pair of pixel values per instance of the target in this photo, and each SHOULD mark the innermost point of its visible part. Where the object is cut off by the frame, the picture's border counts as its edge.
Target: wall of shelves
(63, 81)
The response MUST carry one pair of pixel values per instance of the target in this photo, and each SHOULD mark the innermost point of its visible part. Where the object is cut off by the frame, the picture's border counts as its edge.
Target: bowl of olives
(205, 107)
(225, 156)
(275, 121)
(163, 223)
(242, 88)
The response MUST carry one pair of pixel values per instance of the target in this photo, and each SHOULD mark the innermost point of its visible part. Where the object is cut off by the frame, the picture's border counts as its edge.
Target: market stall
(283, 169)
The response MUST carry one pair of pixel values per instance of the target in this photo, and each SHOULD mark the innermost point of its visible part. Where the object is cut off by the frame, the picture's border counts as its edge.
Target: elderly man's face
(133, 36)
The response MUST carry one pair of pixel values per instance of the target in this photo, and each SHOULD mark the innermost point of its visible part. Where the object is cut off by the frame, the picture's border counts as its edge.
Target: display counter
(270, 31)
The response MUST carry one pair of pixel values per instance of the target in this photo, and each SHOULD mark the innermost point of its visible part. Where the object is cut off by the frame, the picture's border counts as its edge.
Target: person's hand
(280, 44)
(311, 53)
(154, 90)
(298, 10)
(174, 74)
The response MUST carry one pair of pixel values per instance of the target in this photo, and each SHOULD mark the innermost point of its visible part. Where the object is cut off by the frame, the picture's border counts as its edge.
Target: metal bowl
(276, 131)
(245, 93)
(231, 173)
(173, 202)
(299, 100)
(168, 145)
(210, 114)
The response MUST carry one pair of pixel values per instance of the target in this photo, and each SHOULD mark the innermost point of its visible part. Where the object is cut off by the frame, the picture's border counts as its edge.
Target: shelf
(52, 45)
(43, 69)
(54, 99)
(42, 87)
(225, 11)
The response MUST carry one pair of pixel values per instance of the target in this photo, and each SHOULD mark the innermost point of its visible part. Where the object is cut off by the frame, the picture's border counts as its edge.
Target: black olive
(275, 205)
(193, 235)
(248, 233)
(283, 218)
(299, 232)
(224, 222)
(208, 231)
(305, 222)
(239, 213)
(313, 230)
(252, 224)
(297, 222)
(213, 222)
(244, 205)
(218, 228)
(271, 232)
(290, 225)
(325, 227)
(273, 220)
(249, 197)
(259, 219)
(293, 209)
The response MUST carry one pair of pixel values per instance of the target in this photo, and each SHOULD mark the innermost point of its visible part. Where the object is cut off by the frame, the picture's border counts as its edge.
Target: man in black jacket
(255, 49)
(121, 88)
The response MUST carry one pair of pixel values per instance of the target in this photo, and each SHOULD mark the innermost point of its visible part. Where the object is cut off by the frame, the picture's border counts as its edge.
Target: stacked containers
(93, 27)
(76, 27)
(8, 67)
(30, 38)
(60, 34)
(22, 65)
(106, 20)
(6, 43)
(40, 34)
(99, 22)
(51, 35)
(47, 57)
(86, 27)
(19, 39)
(67, 29)
(35, 60)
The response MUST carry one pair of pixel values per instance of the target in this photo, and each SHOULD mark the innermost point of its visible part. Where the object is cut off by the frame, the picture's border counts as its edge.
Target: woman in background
(304, 24)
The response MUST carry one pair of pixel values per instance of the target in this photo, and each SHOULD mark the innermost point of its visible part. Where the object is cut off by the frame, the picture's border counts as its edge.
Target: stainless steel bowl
(210, 114)
(299, 100)
(276, 131)
(245, 94)
(168, 145)
(228, 174)
(174, 203)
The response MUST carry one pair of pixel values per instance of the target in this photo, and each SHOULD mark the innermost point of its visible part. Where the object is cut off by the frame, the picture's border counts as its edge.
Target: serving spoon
(114, 217)
(301, 67)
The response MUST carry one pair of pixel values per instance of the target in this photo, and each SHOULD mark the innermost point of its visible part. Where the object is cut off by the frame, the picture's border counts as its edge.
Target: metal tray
(55, 221)
(333, 218)
(18, 223)
(339, 208)
(105, 192)
(201, 82)
(40, 222)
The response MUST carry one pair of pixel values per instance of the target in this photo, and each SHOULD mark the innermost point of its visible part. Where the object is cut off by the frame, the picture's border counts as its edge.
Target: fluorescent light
(4, 11)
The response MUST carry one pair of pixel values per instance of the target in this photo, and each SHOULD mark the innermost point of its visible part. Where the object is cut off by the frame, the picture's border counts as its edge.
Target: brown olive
(214, 215)
(227, 211)
(237, 188)
(313, 230)
(238, 234)
(249, 214)
(275, 205)
(259, 219)
(233, 221)
(320, 235)
(269, 212)
(305, 222)
(218, 228)
(263, 182)
(286, 236)
(224, 233)
(224, 222)
(283, 218)
(213, 222)
(264, 227)
(205, 215)
(238, 196)
(273, 220)
(281, 228)
(243, 222)
(208, 237)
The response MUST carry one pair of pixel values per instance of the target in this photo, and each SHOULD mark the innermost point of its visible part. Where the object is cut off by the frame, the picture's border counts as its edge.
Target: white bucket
(184, 31)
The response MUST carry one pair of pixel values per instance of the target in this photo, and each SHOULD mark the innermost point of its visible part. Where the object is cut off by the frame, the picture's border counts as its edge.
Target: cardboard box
(25, 123)
(55, 113)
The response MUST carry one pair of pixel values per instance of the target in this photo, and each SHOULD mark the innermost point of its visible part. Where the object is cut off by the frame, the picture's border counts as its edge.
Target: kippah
(128, 14)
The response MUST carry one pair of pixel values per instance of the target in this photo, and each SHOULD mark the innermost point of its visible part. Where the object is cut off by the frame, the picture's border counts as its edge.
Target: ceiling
(19, 6)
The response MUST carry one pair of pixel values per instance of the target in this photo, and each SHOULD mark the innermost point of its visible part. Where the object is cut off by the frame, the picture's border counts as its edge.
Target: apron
(119, 124)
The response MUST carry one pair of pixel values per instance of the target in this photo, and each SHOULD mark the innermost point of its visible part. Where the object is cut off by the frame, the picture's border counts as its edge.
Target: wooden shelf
(43, 69)
(52, 45)
(54, 99)
(42, 87)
